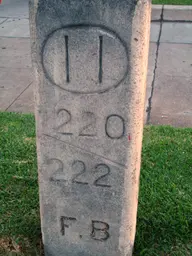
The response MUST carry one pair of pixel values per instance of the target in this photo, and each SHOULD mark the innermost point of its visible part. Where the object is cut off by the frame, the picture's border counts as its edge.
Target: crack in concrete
(155, 68)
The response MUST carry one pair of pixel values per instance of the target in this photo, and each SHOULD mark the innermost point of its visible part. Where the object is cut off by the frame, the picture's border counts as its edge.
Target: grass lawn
(173, 2)
(165, 205)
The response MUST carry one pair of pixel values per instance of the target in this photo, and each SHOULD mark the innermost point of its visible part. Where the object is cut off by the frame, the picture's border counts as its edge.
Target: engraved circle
(85, 59)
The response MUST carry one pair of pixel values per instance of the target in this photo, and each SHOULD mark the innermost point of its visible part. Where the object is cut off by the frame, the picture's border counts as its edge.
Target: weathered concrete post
(90, 62)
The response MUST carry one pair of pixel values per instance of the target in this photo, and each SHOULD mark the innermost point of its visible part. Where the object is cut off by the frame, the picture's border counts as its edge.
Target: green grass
(173, 2)
(165, 203)
(19, 208)
(164, 225)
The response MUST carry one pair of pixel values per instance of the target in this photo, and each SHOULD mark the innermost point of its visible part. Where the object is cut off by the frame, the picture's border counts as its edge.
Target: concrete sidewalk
(169, 85)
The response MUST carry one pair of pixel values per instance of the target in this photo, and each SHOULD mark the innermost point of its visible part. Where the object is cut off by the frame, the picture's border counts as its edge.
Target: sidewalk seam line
(177, 21)
(15, 68)
(3, 21)
(155, 68)
(172, 21)
(15, 37)
(14, 17)
(18, 96)
(176, 43)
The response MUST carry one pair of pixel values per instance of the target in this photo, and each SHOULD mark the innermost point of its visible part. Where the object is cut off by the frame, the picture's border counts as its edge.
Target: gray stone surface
(19, 8)
(20, 58)
(15, 75)
(15, 53)
(15, 27)
(151, 59)
(154, 33)
(14, 9)
(89, 90)
(25, 102)
(173, 12)
(171, 103)
(150, 76)
(175, 32)
(13, 82)
(175, 59)
(2, 20)
(156, 12)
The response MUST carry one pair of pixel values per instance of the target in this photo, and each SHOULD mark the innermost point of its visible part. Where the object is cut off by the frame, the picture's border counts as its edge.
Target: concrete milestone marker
(90, 63)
